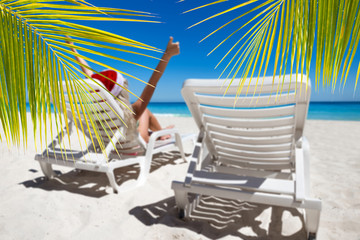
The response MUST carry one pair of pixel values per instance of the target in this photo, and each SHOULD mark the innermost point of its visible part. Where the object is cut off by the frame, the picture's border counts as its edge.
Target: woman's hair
(124, 94)
(123, 99)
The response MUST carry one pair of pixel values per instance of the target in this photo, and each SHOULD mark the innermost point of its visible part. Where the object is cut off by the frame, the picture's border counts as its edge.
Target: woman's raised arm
(87, 71)
(139, 106)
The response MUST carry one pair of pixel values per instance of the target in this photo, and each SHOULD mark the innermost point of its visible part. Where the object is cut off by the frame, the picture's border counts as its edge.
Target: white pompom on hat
(120, 82)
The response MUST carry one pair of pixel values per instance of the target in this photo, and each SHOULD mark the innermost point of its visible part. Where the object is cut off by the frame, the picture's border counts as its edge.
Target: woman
(141, 116)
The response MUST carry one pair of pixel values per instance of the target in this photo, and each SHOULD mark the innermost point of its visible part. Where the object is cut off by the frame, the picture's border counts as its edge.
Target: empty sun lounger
(250, 147)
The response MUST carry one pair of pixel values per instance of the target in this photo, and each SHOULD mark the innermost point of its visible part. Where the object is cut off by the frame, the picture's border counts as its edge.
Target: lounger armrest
(306, 148)
(194, 161)
(155, 135)
(302, 169)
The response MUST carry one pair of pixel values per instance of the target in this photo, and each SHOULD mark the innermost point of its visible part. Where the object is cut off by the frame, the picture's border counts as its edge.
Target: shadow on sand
(95, 184)
(216, 218)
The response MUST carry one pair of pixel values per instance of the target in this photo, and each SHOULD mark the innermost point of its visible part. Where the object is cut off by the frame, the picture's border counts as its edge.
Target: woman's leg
(149, 121)
(144, 123)
(155, 125)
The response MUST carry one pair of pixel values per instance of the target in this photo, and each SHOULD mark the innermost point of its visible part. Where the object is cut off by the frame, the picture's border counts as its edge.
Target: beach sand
(81, 205)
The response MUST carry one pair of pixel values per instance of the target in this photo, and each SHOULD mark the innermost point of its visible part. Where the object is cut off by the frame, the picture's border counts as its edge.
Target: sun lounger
(250, 148)
(108, 122)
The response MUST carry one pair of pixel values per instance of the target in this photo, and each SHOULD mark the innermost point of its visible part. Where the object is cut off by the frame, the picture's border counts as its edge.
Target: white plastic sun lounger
(251, 149)
(108, 122)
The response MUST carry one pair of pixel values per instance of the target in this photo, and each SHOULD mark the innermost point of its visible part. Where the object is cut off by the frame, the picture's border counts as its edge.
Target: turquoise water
(344, 111)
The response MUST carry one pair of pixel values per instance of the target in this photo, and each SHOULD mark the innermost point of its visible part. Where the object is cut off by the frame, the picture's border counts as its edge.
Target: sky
(193, 61)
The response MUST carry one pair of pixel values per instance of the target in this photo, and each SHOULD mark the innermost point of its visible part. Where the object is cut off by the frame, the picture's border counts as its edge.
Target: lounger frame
(118, 151)
(250, 146)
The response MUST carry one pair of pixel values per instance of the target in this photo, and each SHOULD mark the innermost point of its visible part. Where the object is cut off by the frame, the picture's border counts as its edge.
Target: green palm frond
(35, 61)
(283, 32)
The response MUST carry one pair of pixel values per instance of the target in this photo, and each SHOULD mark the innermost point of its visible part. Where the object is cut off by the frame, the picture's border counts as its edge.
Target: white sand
(82, 205)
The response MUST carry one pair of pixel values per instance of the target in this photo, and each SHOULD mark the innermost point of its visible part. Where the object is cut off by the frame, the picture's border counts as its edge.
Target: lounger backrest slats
(254, 148)
(253, 132)
(105, 114)
(249, 101)
(270, 154)
(212, 86)
(94, 107)
(250, 123)
(248, 113)
(258, 128)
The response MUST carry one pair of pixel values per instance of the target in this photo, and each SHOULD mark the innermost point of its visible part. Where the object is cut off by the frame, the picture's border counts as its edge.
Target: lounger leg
(182, 202)
(312, 219)
(145, 165)
(180, 146)
(181, 198)
(46, 168)
(193, 205)
(127, 186)
(111, 177)
(306, 148)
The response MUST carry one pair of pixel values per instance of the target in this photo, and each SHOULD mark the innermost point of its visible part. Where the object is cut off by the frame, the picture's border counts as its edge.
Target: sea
(342, 111)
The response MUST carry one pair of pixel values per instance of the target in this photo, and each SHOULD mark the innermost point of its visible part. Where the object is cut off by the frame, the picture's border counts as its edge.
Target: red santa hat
(115, 76)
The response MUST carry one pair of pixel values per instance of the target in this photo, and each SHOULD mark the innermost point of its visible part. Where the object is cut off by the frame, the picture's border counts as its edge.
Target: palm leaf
(35, 62)
(336, 25)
